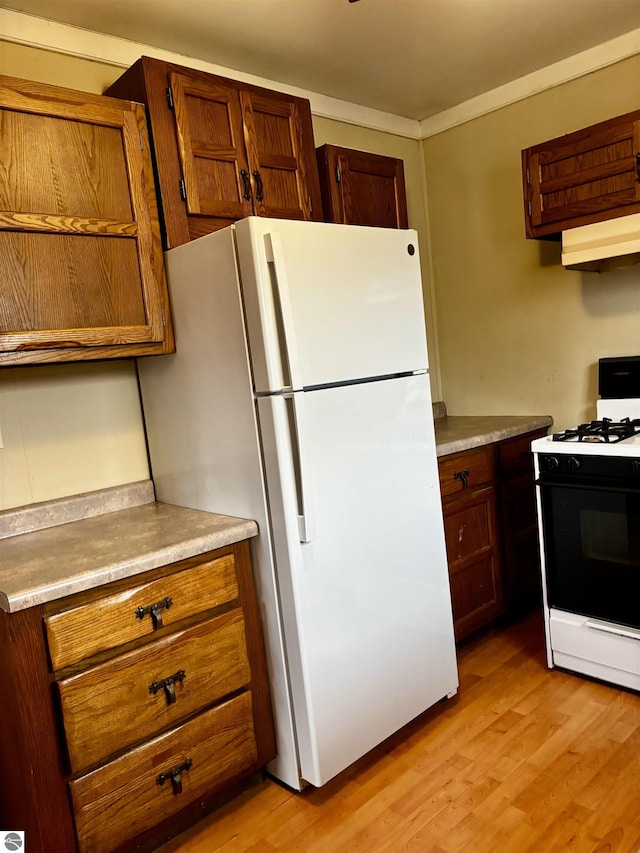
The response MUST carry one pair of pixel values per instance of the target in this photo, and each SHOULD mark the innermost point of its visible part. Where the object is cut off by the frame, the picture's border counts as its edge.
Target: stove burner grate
(606, 430)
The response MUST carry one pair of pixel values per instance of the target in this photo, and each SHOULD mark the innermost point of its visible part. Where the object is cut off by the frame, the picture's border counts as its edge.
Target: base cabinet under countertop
(129, 710)
(488, 497)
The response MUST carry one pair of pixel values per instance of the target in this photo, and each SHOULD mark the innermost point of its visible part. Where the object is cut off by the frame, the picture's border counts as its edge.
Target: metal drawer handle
(155, 610)
(169, 685)
(175, 774)
(260, 188)
(463, 476)
(246, 195)
(616, 630)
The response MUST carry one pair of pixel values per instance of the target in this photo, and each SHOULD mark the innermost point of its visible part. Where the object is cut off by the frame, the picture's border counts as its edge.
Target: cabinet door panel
(359, 188)
(211, 147)
(274, 145)
(79, 236)
(582, 177)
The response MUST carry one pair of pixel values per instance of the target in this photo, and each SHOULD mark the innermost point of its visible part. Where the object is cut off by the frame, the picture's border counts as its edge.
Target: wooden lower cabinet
(488, 496)
(467, 484)
(116, 738)
(518, 522)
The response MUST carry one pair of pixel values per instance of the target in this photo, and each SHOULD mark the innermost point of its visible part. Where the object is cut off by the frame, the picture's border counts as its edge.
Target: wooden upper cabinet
(223, 150)
(208, 119)
(362, 189)
(80, 250)
(587, 176)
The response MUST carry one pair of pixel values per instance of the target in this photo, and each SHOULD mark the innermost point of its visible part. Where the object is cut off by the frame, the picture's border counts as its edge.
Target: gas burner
(606, 430)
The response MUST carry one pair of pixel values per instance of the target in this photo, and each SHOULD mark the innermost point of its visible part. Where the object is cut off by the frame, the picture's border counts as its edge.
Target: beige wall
(513, 333)
(518, 333)
(75, 428)
(69, 428)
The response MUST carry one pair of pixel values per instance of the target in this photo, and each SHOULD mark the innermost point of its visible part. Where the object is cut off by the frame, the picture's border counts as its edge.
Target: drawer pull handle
(169, 685)
(155, 610)
(246, 195)
(175, 775)
(463, 476)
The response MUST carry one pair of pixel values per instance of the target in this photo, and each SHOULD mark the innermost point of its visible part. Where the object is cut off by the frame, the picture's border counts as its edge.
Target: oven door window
(592, 551)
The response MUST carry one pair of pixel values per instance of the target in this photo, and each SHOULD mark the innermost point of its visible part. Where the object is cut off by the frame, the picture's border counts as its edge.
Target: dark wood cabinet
(491, 534)
(120, 727)
(583, 177)
(223, 150)
(518, 523)
(469, 495)
(80, 249)
(359, 188)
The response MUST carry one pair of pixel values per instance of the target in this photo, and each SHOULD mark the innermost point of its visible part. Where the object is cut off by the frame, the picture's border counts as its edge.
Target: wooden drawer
(107, 621)
(124, 798)
(113, 705)
(477, 463)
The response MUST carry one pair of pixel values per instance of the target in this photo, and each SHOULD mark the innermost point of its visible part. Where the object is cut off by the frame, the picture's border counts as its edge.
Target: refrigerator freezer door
(329, 303)
(365, 603)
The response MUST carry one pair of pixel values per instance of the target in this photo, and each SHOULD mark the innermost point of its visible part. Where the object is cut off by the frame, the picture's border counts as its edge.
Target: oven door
(591, 535)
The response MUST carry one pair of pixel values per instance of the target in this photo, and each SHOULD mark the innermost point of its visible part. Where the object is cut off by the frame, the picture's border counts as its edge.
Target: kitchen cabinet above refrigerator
(359, 188)
(223, 149)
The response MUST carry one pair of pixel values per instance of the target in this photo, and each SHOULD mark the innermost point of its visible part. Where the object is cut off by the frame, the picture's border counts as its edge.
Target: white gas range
(588, 499)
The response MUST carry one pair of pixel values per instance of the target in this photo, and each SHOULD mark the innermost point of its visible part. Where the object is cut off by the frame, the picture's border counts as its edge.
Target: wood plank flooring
(524, 760)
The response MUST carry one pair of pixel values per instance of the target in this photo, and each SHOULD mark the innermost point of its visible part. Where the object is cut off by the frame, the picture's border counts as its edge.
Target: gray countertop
(456, 433)
(85, 549)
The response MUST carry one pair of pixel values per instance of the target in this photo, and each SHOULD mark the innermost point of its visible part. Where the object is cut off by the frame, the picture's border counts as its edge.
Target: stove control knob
(551, 463)
(573, 463)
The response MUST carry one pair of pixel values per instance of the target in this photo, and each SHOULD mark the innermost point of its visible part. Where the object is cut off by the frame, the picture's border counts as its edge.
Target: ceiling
(411, 58)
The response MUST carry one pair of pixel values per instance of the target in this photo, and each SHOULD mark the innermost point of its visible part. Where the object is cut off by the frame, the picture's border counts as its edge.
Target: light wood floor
(523, 760)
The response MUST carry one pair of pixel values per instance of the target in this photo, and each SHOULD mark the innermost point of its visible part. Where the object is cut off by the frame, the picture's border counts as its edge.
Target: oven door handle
(593, 487)
(619, 631)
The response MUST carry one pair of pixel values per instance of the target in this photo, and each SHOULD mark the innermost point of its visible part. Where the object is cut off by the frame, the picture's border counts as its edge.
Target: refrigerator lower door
(365, 599)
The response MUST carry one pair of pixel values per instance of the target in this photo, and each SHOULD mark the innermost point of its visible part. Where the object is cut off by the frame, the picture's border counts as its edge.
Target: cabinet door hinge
(141, 140)
(529, 207)
(338, 174)
(528, 177)
(170, 101)
(183, 189)
(164, 319)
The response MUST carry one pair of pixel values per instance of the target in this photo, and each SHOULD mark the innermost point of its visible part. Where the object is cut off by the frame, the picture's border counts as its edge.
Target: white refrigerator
(299, 396)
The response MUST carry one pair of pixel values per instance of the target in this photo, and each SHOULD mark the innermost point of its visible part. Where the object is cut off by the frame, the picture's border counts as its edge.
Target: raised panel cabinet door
(211, 147)
(471, 535)
(79, 237)
(274, 143)
(359, 188)
(588, 176)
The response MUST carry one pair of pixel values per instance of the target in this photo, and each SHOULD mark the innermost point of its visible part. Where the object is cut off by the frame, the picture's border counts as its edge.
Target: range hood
(602, 246)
